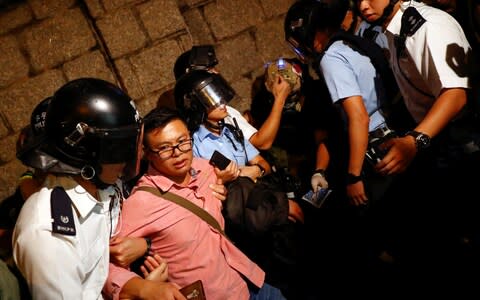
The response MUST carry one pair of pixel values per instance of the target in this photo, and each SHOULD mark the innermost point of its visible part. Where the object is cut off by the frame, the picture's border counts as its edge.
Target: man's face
(372, 10)
(173, 163)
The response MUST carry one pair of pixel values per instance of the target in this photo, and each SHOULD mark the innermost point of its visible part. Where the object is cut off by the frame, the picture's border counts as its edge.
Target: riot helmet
(32, 136)
(201, 57)
(90, 122)
(198, 92)
(304, 18)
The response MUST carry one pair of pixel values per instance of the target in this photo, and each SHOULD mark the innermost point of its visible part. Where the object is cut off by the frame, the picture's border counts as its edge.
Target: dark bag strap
(200, 212)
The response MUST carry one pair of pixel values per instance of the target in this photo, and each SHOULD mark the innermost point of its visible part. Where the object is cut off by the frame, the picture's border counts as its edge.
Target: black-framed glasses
(166, 151)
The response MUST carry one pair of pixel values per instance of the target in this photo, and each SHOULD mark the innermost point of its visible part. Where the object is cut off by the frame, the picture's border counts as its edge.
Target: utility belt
(375, 138)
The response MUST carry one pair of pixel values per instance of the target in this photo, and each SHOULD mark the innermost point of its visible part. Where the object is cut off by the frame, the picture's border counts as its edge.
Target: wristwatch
(422, 140)
(351, 178)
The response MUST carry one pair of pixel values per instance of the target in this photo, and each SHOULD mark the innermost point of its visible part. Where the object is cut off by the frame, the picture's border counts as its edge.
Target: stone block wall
(133, 43)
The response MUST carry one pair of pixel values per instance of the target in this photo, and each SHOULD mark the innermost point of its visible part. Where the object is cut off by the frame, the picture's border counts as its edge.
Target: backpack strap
(411, 22)
(62, 213)
(389, 92)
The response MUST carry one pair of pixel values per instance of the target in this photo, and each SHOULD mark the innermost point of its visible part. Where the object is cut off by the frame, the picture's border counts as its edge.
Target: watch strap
(351, 178)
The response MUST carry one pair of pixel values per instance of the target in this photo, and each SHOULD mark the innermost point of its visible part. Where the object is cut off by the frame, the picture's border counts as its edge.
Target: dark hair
(159, 117)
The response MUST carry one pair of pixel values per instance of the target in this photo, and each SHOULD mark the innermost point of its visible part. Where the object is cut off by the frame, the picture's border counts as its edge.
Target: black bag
(254, 207)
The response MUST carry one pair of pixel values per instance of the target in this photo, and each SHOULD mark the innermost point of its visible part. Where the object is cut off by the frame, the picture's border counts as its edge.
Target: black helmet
(200, 57)
(32, 136)
(198, 92)
(305, 17)
(90, 122)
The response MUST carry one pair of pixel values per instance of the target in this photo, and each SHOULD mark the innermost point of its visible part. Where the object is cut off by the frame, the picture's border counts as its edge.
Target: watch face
(423, 141)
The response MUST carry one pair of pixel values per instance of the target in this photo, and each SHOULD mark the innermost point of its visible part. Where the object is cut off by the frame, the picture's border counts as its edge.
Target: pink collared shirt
(192, 248)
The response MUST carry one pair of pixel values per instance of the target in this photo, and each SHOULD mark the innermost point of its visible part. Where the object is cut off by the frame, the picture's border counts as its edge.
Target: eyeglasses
(165, 151)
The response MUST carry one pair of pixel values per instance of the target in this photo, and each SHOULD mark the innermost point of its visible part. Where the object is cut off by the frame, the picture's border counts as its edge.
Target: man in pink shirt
(194, 250)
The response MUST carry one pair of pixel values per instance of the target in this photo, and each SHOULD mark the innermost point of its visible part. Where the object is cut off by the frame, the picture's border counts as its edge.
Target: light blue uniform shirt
(348, 73)
(205, 142)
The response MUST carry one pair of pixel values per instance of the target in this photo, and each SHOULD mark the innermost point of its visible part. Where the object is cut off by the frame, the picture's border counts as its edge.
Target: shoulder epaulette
(62, 213)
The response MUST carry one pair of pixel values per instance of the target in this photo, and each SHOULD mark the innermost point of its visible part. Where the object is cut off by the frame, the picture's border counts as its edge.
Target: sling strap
(200, 212)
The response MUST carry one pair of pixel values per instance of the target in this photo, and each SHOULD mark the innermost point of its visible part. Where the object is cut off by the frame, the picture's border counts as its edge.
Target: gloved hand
(318, 180)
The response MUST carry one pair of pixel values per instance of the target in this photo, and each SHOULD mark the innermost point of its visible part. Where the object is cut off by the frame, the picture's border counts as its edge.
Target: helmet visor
(303, 53)
(214, 92)
(122, 145)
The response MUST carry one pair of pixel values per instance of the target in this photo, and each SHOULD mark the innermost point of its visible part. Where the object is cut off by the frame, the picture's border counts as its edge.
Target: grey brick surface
(129, 80)
(58, 39)
(193, 3)
(121, 32)
(198, 28)
(237, 56)
(9, 174)
(272, 45)
(16, 17)
(8, 146)
(148, 103)
(229, 17)
(95, 8)
(13, 63)
(154, 66)
(113, 4)
(161, 18)
(276, 7)
(243, 87)
(92, 64)
(42, 8)
(19, 100)
(3, 119)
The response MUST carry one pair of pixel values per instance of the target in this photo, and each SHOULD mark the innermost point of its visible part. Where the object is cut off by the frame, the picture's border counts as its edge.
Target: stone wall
(45, 43)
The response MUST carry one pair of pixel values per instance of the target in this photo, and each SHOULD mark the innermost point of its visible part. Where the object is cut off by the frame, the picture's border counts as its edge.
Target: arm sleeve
(49, 275)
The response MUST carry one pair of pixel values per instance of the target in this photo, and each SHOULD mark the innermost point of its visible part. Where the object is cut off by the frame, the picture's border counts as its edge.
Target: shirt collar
(203, 132)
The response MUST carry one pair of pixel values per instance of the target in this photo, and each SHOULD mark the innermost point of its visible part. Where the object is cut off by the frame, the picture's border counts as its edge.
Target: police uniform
(441, 208)
(72, 264)
(424, 61)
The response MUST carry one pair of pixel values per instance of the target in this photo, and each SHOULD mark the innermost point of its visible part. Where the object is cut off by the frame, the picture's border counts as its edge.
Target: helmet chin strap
(99, 183)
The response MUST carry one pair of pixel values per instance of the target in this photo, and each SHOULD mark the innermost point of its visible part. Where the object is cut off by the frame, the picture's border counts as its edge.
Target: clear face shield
(214, 92)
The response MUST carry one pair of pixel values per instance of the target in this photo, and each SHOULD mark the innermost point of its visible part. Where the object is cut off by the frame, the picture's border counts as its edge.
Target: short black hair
(159, 117)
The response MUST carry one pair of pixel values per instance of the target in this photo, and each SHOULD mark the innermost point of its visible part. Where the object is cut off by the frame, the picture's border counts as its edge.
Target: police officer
(89, 144)
(436, 156)
(203, 57)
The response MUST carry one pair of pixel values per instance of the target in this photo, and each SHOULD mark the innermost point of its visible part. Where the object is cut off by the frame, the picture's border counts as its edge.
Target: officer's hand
(402, 151)
(318, 180)
(281, 89)
(295, 212)
(155, 268)
(125, 250)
